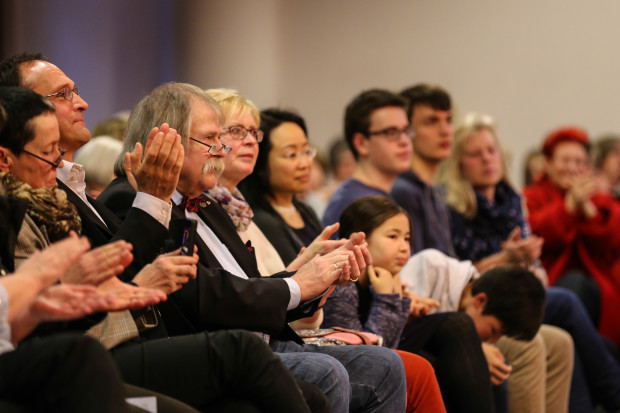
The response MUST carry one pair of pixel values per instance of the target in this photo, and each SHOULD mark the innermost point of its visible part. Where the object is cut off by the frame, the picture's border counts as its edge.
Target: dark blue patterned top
(477, 238)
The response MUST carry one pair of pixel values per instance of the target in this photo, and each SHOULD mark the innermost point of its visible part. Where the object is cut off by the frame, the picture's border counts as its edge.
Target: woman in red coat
(580, 223)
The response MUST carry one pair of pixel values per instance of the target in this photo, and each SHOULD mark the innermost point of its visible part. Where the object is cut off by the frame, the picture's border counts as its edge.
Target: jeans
(596, 376)
(354, 378)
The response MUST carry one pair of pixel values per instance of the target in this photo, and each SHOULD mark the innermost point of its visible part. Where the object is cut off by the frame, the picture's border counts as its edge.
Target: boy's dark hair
(9, 68)
(256, 185)
(425, 94)
(20, 106)
(358, 111)
(367, 213)
(516, 297)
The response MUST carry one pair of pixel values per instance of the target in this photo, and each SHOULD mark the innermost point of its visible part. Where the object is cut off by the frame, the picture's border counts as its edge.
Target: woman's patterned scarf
(47, 207)
(234, 204)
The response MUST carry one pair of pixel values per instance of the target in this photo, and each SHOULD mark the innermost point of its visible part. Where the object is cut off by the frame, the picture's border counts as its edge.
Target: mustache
(213, 164)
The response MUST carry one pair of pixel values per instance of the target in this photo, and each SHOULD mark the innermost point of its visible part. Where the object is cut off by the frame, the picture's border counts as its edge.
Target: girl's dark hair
(368, 213)
(256, 185)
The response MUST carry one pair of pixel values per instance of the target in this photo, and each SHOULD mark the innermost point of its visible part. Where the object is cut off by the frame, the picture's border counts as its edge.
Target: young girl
(378, 304)
(383, 307)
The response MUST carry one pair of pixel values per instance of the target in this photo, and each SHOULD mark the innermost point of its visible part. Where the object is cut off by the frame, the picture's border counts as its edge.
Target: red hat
(567, 134)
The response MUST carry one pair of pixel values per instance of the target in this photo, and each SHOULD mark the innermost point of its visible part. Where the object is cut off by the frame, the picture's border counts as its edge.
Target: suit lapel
(84, 210)
(220, 223)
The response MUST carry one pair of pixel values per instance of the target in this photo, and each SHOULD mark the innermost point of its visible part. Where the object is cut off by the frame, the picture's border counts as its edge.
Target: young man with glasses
(378, 132)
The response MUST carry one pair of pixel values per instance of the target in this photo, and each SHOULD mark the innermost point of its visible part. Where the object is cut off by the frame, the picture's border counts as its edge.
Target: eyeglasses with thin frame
(214, 149)
(309, 153)
(394, 134)
(66, 93)
(55, 163)
(240, 133)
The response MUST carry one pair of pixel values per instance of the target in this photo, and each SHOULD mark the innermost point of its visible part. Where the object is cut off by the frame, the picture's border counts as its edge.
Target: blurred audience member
(606, 157)
(341, 161)
(579, 222)
(114, 127)
(534, 167)
(318, 193)
(97, 158)
(480, 223)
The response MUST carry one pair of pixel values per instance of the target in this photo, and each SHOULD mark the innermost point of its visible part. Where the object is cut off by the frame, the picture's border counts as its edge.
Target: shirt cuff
(155, 207)
(5, 328)
(295, 293)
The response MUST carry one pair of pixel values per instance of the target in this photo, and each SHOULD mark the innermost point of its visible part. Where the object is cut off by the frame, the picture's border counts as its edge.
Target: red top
(572, 241)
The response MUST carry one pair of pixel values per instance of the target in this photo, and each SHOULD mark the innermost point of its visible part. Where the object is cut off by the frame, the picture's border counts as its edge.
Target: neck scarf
(234, 204)
(47, 207)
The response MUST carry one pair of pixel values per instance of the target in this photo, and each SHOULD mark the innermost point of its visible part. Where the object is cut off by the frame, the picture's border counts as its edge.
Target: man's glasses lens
(214, 149)
(66, 93)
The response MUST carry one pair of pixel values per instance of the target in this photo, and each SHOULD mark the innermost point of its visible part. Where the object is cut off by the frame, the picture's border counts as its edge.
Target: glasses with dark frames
(66, 93)
(214, 149)
(394, 134)
(55, 163)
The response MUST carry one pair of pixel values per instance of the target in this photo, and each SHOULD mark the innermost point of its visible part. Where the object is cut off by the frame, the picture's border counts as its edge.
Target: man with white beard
(229, 291)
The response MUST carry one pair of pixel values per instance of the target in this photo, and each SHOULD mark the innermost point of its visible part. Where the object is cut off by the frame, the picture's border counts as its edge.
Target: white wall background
(532, 65)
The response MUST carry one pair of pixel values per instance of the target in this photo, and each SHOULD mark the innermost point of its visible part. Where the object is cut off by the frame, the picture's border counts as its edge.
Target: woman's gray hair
(169, 103)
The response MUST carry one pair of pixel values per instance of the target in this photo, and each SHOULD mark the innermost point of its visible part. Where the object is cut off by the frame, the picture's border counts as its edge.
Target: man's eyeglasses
(240, 133)
(214, 149)
(55, 163)
(394, 134)
(66, 93)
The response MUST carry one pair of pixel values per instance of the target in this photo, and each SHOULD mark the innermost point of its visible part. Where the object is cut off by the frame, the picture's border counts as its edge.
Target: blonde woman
(485, 210)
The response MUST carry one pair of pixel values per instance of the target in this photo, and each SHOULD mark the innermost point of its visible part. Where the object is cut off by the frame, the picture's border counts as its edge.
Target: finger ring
(354, 279)
(337, 266)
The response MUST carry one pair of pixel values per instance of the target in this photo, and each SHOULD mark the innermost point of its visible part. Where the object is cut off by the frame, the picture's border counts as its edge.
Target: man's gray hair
(169, 103)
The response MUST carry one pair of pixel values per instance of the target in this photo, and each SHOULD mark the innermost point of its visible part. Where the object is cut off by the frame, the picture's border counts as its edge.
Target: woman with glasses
(29, 155)
(282, 170)
(241, 133)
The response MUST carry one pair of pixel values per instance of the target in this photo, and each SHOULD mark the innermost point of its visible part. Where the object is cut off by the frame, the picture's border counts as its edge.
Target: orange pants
(423, 394)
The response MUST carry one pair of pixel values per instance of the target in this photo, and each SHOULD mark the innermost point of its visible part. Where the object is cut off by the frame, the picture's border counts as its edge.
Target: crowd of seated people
(481, 305)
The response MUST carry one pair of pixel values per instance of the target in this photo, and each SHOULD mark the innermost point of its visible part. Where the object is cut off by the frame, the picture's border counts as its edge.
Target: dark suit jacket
(218, 299)
(143, 231)
(280, 234)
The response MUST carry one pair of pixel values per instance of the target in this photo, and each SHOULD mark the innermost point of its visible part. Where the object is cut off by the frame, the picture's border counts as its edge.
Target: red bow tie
(194, 204)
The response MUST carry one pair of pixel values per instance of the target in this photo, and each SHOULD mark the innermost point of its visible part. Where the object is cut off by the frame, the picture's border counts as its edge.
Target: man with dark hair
(430, 114)
(378, 132)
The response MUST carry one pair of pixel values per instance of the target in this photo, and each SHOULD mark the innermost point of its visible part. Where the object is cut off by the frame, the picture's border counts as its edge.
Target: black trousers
(450, 342)
(63, 373)
(204, 370)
